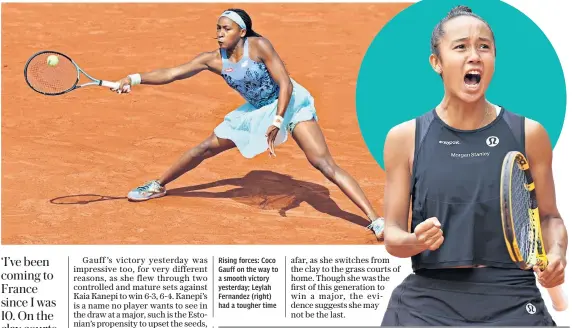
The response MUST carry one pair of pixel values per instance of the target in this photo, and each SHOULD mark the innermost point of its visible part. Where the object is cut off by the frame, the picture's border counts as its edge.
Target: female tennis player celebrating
(276, 104)
(448, 162)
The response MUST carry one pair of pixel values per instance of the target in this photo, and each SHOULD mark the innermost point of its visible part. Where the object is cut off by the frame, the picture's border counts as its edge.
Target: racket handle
(112, 85)
(559, 299)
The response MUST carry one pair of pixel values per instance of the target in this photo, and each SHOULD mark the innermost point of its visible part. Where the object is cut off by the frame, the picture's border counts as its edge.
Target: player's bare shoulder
(402, 134)
(537, 140)
(532, 127)
(259, 47)
(212, 60)
(259, 42)
(400, 142)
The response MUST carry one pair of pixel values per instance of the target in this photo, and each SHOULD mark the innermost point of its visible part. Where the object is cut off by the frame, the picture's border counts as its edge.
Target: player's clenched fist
(429, 234)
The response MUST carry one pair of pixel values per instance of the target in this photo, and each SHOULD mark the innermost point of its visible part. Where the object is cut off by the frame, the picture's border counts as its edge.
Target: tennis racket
(521, 221)
(57, 79)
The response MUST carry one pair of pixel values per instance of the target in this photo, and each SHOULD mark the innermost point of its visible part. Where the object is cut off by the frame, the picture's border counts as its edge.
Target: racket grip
(112, 85)
(558, 297)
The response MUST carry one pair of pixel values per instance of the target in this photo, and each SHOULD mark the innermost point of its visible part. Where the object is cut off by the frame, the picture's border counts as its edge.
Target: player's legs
(310, 139)
(210, 147)
(188, 161)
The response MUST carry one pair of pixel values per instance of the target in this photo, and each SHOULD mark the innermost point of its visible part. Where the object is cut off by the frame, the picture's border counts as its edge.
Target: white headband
(234, 17)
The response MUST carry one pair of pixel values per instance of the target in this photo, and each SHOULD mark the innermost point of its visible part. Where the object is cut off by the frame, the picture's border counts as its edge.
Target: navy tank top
(456, 178)
(250, 79)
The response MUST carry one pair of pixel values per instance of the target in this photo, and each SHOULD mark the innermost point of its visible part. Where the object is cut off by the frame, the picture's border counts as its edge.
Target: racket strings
(521, 205)
(51, 79)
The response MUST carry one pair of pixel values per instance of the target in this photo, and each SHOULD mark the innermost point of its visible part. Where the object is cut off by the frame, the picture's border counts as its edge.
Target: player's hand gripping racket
(521, 221)
(58, 77)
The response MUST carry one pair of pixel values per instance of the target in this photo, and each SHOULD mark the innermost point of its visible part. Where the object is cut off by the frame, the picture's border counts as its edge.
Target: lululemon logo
(531, 309)
(492, 141)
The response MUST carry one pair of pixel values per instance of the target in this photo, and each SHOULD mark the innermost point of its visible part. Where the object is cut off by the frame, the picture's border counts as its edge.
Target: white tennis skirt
(246, 126)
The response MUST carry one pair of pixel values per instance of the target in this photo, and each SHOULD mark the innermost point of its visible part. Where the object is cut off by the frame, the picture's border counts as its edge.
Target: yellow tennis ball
(53, 60)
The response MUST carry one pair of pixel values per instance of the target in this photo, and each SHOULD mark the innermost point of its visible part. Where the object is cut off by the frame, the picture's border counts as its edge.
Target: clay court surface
(69, 161)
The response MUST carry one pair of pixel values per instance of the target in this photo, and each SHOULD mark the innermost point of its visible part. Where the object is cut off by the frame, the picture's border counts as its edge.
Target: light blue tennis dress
(246, 126)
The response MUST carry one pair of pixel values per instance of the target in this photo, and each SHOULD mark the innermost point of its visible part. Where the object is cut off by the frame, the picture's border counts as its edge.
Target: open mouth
(472, 79)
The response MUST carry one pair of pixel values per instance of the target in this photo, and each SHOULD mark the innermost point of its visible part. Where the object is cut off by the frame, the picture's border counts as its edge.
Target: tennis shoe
(377, 226)
(149, 190)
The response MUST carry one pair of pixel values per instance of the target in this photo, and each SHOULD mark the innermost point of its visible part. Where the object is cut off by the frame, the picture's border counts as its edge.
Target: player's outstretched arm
(168, 75)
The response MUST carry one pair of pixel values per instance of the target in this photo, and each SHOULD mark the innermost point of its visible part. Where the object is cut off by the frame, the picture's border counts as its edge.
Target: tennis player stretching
(276, 105)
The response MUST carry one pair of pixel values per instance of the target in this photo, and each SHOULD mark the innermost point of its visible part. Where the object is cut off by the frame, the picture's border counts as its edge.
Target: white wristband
(278, 120)
(135, 79)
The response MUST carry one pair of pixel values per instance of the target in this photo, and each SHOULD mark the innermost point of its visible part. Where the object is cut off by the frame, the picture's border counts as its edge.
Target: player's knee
(324, 164)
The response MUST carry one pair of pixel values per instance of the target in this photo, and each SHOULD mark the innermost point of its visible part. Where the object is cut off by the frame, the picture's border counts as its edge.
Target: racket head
(51, 80)
(522, 231)
(519, 213)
